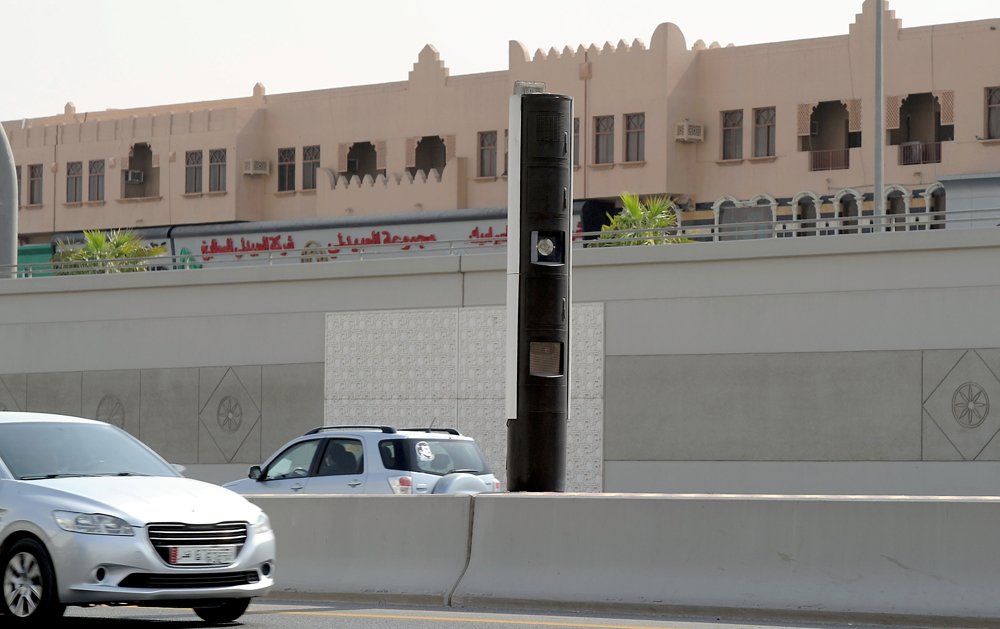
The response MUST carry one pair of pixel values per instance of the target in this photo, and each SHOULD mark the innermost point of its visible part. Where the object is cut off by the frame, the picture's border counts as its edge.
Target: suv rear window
(432, 456)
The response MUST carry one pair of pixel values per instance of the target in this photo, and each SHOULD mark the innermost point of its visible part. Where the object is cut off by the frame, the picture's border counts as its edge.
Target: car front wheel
(29, 592)
(226, 612)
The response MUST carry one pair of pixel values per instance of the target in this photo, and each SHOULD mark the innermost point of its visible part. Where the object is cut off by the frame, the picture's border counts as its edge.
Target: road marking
(479, 620)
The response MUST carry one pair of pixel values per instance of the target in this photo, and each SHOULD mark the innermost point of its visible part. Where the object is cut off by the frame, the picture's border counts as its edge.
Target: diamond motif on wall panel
(230, 414)
(959, 405)
(7, 401)
(395, 354)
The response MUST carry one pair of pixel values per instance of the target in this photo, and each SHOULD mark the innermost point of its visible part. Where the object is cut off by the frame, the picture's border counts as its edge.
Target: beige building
(780, 131)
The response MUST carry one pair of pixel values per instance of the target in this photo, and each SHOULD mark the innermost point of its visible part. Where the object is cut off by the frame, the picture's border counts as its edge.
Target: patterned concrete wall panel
(991, 452)
(230, 414)
(14, 392)
(960, 403)
(936, 364)
(211, 452)
(848, 406)
(936, 446)
(481, 355)
(168, 413)
(292, 403)
(587, 351)
(393, 354)
(484, 421)
(113, 397)
(55, 393)
(409, 413)
(584, 446)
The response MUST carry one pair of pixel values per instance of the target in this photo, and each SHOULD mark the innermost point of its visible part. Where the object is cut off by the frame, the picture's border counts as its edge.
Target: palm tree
(642, 223)
(118, 251)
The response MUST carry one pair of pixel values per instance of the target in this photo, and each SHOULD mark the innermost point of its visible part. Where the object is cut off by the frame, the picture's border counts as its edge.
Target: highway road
(309, 615)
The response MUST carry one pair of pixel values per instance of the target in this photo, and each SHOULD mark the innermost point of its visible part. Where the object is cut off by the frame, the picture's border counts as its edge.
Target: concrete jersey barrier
(795, 554)
(401, 549)
(767, 556)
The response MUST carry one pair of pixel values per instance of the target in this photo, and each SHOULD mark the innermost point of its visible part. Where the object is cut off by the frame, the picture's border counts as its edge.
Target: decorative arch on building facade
(935, 199)
(848, 204)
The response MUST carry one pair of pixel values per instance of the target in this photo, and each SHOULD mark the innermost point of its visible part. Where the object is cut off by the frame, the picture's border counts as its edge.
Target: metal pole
(8, 209)
(879, 118)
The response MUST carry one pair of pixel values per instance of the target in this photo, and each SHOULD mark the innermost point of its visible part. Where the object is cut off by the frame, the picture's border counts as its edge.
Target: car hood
(144, 499)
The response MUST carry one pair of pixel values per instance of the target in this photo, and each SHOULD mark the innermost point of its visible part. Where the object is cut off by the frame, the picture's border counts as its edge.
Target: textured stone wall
(445, 368)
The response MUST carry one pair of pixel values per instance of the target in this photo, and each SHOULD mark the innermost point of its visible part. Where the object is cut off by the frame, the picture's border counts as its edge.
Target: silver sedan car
(90, 515)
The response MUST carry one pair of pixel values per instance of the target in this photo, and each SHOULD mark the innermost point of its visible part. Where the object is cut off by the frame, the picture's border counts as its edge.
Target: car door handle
(296, 487)
(354, 483)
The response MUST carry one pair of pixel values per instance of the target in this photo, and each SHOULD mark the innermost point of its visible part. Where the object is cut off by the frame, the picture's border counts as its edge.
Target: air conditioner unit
(689, 132)
(133, 176)
(814, 127)
(254, 167)
(352, 165)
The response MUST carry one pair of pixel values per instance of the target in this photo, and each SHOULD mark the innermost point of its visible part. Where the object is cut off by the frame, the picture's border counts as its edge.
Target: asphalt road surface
(310, 615)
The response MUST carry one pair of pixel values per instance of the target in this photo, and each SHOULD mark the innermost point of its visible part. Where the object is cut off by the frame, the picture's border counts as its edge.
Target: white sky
(104, 54)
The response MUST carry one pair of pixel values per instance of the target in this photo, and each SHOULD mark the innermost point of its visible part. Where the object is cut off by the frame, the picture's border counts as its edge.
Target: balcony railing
(919, 153)
(835, 159)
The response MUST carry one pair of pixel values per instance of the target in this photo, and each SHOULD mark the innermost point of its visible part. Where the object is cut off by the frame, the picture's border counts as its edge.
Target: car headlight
(263, 524)
(92, 523)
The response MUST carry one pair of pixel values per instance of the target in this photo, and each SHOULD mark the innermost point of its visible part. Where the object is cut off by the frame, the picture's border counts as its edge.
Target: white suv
(373, 460)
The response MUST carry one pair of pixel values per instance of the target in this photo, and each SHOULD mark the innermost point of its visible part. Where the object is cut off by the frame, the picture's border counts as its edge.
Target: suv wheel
(226, 612)
(29, 585)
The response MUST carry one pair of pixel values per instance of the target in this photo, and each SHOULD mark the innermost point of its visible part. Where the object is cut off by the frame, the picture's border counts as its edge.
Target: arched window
(362, 159)
(430, 154)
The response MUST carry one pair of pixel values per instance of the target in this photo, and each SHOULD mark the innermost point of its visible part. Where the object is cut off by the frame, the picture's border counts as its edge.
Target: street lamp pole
(879, 117)
(8, 209)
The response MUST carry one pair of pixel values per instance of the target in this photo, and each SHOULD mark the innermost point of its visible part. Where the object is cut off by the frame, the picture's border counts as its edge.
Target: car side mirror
(255, 473)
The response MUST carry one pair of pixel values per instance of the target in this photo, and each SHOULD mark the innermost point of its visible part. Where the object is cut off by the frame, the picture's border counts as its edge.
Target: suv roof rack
(386, 429)
(450, 431)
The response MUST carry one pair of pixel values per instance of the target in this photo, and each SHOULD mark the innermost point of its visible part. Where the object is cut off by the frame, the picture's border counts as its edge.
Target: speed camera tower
(539, 243)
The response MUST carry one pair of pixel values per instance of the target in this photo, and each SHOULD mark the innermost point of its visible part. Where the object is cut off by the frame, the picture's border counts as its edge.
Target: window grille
(217, 170)
(192, 176)
(96, 184)
(993, 113)
(635, 137)
(310, 164)
(604, 136)
(488, 154)
(732, 134)
(764, 132)
(74, 182)
(286, 170)
(35, 184)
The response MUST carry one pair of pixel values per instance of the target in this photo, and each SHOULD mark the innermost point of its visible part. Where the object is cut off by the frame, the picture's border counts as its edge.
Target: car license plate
(202, 555)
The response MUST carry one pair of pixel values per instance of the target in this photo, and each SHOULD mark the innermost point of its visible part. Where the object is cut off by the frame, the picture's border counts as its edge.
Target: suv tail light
(401, 484)
(496, 485)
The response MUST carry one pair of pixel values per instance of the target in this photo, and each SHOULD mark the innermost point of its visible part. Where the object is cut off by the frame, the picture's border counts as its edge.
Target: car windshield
(36, 450)
(445, 456)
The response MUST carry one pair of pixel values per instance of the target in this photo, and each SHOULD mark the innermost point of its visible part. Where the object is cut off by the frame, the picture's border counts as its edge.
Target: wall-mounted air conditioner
(133, 176)
(689, 132)
(254, 167)
(814, 127)
(352, 165)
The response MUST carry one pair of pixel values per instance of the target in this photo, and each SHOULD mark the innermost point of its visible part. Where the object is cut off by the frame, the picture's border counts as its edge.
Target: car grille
(165, 535)
(174, 581)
